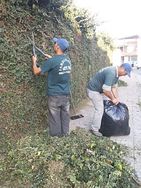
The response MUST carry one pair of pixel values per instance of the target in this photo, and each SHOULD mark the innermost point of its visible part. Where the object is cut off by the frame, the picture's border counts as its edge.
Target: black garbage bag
(115, 120)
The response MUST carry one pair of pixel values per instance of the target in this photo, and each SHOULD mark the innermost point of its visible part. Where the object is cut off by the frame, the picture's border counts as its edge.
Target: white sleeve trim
(107, 88)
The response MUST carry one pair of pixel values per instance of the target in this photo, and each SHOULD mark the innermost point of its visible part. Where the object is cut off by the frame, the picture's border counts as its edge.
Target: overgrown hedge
(23, 101)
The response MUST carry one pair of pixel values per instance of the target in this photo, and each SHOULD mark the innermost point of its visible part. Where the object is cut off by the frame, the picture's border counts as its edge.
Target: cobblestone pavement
(131, 96)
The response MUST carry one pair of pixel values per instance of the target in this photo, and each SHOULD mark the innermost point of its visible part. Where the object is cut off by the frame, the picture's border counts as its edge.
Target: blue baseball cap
(127, 67)
(62, 43)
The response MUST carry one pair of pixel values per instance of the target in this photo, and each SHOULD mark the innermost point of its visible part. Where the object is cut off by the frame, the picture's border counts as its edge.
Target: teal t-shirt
(58, 78)
(106, 76)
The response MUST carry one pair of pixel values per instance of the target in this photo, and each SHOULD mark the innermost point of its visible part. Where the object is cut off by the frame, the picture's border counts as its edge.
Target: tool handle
(33, 47)
(33, 51)
(40, 51)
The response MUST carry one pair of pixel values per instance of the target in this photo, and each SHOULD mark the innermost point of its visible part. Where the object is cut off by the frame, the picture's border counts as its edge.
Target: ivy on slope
(23, 101)
(79, 160)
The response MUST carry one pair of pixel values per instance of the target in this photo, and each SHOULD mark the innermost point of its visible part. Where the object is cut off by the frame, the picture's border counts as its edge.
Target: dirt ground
(131, 96)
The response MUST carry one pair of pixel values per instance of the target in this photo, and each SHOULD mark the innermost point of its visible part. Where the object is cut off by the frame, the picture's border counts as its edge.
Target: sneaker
(96, 132)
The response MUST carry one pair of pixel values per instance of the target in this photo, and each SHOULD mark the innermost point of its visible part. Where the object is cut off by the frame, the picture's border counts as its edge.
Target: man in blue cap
(104, 82)
(58, 68)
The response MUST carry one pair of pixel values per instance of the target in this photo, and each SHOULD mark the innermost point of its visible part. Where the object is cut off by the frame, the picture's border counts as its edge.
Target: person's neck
(59, 53)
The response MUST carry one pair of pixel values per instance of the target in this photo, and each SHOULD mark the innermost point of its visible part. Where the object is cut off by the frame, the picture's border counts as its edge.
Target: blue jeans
(58, 115)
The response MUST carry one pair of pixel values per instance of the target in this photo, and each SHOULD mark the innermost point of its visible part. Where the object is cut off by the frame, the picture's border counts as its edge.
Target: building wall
(130, 48)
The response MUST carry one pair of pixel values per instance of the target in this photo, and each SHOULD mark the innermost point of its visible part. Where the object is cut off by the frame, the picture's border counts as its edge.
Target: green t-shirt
(58, 78)
(104, 78)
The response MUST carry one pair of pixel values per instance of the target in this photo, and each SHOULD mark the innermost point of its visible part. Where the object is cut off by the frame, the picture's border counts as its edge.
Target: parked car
(133, 63)
(138, 65)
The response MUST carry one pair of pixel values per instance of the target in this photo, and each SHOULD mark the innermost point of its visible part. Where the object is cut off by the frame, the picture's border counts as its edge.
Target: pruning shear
(34, 47)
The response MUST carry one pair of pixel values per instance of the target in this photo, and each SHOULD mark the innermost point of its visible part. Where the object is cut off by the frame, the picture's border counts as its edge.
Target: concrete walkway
(130, 95)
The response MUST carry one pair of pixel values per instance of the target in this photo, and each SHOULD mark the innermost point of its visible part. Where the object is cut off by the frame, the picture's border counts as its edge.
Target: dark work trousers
(58, 116)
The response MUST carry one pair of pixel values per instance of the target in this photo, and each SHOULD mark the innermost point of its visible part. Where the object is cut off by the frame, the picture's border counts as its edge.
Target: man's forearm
(35, 67)
(109, 94)
(48, 56)
(115, 92)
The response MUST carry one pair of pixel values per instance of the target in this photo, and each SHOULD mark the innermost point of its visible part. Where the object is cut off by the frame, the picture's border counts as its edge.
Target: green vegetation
(139, 103)
(23, 101)
(28, 157)
(79, 160)
(122, 83)
(106, 43)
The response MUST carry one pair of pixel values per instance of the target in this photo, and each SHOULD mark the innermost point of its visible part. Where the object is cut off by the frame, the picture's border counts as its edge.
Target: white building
(130, 50)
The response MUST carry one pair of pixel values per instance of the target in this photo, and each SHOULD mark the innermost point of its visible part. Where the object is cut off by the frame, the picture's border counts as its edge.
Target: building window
(134, 58)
